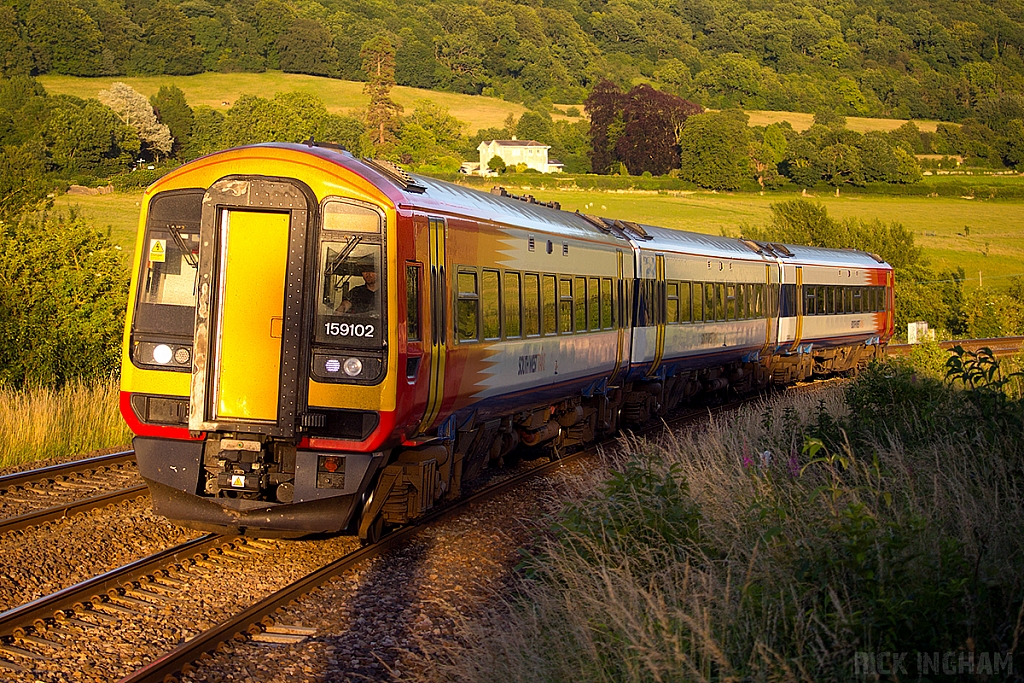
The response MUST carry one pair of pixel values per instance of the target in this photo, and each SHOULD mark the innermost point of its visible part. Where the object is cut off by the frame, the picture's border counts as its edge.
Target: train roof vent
(780, 249)
(396, 174)
(875, 256)
(603, 225)
(757, 247)
(528, 198)
(634, 229)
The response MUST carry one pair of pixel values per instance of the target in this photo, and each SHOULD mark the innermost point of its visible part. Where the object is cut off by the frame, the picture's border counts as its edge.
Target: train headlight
(353, 367)
(162, 354)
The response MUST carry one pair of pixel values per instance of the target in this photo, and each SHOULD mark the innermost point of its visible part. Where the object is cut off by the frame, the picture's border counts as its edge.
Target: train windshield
(170, 260)
(350, 310)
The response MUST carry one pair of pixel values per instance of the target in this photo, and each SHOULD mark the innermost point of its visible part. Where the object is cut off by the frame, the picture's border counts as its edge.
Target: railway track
(50, 493)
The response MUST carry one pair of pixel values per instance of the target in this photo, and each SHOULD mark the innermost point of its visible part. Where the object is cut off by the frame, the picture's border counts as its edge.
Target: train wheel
(372, 533)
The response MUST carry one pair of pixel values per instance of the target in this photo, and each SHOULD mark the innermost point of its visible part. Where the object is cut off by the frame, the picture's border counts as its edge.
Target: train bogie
(318, 343)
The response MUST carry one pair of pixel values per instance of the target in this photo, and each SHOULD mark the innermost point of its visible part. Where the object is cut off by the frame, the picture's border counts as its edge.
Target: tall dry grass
(773, 545)
(43, 423)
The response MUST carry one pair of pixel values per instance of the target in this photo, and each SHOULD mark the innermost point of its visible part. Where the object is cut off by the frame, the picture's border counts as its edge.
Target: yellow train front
(259, 373)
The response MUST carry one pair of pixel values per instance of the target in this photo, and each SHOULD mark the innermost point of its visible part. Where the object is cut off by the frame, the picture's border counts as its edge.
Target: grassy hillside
(994, 244)
(220, 91)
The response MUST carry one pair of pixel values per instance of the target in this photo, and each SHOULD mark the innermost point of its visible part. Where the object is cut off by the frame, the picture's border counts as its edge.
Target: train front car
(257, 351)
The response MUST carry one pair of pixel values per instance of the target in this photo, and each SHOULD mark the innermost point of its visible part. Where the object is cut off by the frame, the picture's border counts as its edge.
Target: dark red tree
(604, 106)
(650, 135)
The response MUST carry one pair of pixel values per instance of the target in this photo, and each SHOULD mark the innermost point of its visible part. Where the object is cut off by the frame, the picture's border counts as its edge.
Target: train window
(883, 301)
(684, 302)
(821, 294)
(759, 301)
(720, 301)
(607, 308)
(531, 304)
(594, 305)
(749, 301)
(468, 313)
(858, 300)
(832, 300)
(512, 305)
(350, 301)
(808, 300)
(490, 303)
(581, 304)
(698, 302)
(730, 302)
(742, 301)
(709, 301)
(548, 299)
(412, 301)
(345, 217)
(787, 301)
(672, 302)
(565, 305)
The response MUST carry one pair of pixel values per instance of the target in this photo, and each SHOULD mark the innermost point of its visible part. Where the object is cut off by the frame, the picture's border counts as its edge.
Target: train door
(799, 331)
(435, 347)
(249, 350)
(771, 307)
(660, 305)
(619, 312)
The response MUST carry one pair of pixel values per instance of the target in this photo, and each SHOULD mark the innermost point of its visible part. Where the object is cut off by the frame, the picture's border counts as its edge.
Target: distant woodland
(939, 59)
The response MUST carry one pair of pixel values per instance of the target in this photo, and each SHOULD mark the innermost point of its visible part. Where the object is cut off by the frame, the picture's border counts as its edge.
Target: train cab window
(594, 304)
(531, 304)
(547, 295)
(513, 325)
(607, 306)
(581, 304)
(412, 301)
(350, 302)
(468, 310)
(565, 305)
(167, 291)
(672, 303)
(698, 302)
(490, 303)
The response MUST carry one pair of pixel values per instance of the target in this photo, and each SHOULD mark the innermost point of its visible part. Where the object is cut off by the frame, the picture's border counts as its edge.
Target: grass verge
(787, 542)
(41, 424)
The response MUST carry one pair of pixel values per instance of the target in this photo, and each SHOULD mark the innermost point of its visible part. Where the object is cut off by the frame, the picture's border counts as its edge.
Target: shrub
(62, 300)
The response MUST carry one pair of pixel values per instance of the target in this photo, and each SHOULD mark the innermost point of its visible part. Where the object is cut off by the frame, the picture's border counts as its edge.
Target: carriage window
(565, 306)
(468, 313)
(672, 301)
(350, 305)
(858, 300)
(698, 302)
(594, 303)
(581, 304)
(684, 302)
(607, 315)
(531, 304)
(512, 324)
(730, 302)
(548, 299)
(412, 301)
(489, 300)
(759, 301)
(720, 301)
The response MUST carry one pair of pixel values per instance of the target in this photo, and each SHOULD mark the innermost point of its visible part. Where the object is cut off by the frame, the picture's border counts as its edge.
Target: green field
(994, 246)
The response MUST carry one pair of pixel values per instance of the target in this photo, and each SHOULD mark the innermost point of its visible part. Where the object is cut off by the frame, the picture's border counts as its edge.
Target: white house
(530, 152)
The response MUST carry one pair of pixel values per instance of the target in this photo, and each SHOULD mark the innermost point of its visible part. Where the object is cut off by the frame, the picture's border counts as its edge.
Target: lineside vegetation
(780, 542)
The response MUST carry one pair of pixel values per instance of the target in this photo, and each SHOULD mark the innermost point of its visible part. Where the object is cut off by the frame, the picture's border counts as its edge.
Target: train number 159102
(349, 330)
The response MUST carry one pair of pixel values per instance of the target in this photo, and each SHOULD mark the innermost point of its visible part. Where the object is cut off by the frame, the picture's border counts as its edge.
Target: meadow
(985, 237)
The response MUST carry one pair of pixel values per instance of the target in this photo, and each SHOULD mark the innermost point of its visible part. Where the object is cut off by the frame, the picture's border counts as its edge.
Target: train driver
(364, 298)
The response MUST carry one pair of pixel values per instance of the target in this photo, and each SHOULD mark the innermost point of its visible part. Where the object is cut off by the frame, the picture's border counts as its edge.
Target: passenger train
(319, 343)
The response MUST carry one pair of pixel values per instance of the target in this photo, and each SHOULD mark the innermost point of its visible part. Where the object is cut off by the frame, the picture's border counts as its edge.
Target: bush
(62, 300)
(140, 178)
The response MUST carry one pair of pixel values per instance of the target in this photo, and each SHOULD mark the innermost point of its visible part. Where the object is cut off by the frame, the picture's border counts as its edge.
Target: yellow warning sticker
(157, 251)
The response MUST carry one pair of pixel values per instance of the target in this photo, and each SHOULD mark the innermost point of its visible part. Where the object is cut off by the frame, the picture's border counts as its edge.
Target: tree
(173, 111)
(23, 181)
(306, 48)
(604, 106)
(15, 55)
(713, 150)
(382, 115)
(64, 38)
(841, 164)
(207, 133)
(653, 121)
(135, 110)
(167, 47)
(496, 164)
(84, 135)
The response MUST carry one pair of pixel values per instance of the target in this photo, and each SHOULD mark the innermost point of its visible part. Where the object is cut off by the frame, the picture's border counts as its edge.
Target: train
(320, 343)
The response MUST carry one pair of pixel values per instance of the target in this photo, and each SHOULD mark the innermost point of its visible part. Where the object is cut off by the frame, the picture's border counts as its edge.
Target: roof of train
(444, 196)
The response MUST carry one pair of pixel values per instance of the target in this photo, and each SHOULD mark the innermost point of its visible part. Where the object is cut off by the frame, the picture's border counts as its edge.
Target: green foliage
(173, 111)
(84, 135)
(62, 294)
(23, 181)
(713, 150)
(496, 164)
